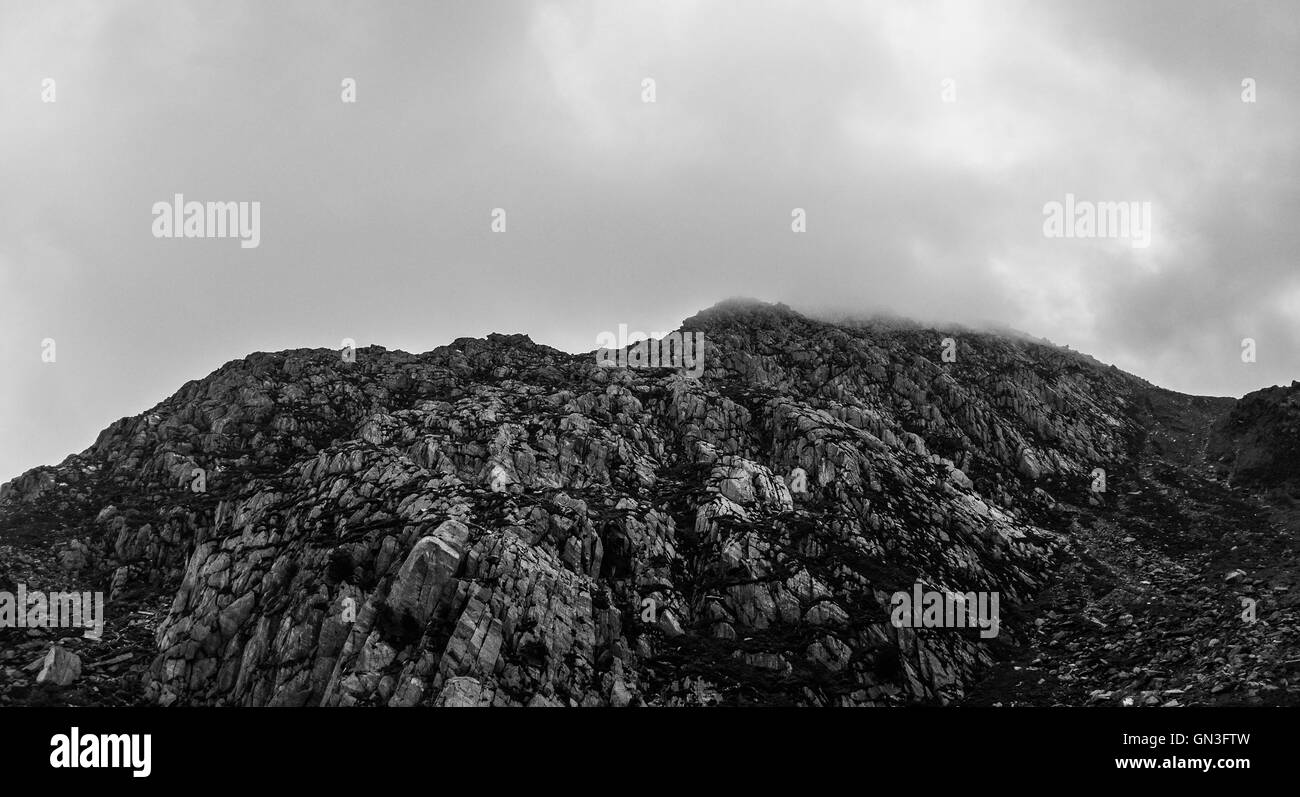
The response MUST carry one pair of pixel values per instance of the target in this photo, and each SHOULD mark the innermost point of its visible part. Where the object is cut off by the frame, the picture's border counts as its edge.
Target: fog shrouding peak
(843, 158)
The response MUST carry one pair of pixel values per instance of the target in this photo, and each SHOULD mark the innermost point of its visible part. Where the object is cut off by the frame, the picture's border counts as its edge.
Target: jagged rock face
(500, 523)
(1258, 442)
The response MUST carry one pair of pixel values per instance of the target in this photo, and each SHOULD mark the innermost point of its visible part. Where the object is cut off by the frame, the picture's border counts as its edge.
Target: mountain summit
(496, 522)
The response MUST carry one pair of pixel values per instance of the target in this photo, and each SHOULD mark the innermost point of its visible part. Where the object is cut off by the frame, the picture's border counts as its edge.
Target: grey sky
(376, 215)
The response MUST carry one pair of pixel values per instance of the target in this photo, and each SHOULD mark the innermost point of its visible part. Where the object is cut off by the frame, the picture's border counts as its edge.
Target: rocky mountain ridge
(496, 522)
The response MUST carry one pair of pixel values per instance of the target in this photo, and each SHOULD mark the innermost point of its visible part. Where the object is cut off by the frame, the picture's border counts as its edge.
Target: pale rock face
(1030, 465)
(499, 479)
(60, 667)
(738, 486)
(960, 479)
(461, 692)
(428, 568)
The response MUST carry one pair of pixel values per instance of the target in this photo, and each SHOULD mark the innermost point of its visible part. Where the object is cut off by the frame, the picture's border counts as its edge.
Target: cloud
(376, 215)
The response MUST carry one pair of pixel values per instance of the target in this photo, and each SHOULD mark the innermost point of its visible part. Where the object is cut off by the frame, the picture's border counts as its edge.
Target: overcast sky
(376, 215)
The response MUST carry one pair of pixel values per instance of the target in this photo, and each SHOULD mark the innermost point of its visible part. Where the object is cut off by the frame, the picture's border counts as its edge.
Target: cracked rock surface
(496, 522)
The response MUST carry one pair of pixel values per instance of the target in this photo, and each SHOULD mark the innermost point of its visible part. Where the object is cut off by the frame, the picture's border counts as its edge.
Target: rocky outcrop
(1258, 442)
(499, 523)
(60, 667)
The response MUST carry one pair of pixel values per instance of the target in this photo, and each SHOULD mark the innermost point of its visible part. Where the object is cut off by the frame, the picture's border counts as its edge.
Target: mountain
(496, 522)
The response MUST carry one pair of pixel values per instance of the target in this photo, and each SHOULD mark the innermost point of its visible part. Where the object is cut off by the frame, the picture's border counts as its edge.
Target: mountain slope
(497, 522)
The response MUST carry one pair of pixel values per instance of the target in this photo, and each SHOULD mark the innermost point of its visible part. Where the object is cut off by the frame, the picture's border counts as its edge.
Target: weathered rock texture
(499, 523)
